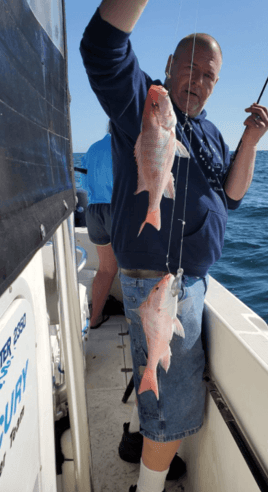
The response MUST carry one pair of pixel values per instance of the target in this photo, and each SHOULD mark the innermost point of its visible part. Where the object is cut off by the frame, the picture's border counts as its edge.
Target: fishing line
(175, 37)
(180, 271)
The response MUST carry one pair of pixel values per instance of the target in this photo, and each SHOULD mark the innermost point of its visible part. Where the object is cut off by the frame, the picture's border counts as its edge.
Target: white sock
(134, 425)
(150, 480)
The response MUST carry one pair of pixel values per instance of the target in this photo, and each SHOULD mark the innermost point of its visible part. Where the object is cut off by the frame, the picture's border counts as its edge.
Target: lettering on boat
(2, 464)
(11, 406)
(16, 428)
(6, 355)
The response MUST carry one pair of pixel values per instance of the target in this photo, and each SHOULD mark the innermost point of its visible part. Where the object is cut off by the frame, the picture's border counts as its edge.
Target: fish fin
(184, 306)
(181, 151)
(138, 156)
(137, 149)
(152, 218)
(149, 382)
(178, 328)
(136, 310)
(141, 184)
(169, 191)
(165, 360)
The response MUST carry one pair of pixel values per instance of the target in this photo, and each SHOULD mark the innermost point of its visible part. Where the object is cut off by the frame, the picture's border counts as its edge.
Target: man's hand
(241, 172)
(256, 123)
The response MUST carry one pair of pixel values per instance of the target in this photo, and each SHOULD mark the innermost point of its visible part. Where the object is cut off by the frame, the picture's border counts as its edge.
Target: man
(213, 187)
(99, 185)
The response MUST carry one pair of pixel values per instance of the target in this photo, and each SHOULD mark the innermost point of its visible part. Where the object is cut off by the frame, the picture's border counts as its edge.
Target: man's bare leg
(103, 281)
(157, 456)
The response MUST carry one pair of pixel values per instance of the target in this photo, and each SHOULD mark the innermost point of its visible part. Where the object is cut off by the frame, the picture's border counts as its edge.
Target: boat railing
(83, 258)
(70, 333)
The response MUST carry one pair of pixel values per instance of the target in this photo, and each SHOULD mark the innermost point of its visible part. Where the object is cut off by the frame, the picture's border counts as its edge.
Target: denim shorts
(98, 219)
(180, 409)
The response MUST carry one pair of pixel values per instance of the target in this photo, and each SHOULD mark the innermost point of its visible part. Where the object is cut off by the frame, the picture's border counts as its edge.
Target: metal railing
(83, 258)
(70, 327)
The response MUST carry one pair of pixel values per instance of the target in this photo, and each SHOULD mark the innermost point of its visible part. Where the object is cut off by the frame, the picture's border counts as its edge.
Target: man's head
(194, 72)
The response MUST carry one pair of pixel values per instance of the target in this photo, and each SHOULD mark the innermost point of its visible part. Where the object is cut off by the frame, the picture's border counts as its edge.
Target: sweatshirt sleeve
(232, 204)
(114, 74)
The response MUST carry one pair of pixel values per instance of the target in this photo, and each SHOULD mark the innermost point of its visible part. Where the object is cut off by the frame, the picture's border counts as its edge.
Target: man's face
(203, 75)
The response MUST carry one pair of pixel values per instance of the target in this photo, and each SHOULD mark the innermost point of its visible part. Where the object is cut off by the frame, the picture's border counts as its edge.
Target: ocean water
(243, 267)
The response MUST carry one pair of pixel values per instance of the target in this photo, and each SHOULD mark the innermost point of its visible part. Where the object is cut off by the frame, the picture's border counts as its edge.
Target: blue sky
(240, 27)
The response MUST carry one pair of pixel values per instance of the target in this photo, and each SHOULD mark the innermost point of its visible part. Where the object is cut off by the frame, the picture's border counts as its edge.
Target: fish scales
(155, 150)
(159, 320)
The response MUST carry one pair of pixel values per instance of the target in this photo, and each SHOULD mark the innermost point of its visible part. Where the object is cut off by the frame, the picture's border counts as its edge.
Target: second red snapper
(155, 150)
(159, 320)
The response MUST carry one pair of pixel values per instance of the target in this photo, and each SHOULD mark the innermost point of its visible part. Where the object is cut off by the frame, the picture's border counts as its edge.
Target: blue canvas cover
(37, 184)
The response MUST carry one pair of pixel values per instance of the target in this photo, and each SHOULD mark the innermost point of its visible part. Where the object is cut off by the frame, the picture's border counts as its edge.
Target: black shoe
(177, 469)
(103, 318)
(130, 449)
(113, 307)
(133, 488)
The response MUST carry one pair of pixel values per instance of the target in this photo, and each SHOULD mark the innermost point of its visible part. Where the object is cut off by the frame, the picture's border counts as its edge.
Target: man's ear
(169, 62)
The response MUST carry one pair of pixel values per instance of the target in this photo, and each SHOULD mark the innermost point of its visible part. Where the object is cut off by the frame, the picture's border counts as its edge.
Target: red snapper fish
(159, 320)
(155, 150)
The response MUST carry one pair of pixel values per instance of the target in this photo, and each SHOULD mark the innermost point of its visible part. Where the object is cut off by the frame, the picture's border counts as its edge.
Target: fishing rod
(259, 98)
(80, 170)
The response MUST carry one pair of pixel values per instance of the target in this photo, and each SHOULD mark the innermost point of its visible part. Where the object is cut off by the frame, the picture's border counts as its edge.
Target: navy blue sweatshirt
(121, 87)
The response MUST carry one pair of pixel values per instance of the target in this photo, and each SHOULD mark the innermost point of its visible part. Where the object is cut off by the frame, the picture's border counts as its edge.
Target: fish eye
(155, 104)
(157, 288)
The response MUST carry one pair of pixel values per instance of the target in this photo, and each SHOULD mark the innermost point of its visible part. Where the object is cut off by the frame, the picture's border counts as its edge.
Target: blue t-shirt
(121, 87)
(99, 179)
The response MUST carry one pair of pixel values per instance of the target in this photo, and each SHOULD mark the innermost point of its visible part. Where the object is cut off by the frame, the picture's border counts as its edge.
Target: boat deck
(107, 354)
(235, 339)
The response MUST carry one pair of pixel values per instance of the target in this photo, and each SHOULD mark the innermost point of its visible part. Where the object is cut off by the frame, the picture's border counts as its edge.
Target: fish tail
(149, 382)
(152, 218)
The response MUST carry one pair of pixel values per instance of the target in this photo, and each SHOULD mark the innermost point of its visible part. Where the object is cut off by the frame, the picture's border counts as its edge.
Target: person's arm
(242, 169)
(122, 14)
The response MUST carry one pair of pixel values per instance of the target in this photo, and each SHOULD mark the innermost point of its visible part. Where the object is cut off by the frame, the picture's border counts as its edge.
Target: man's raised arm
(122, 14)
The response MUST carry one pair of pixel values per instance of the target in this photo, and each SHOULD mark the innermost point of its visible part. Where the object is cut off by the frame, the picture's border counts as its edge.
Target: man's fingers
(255, 121)
(258, 118)
(256, 109)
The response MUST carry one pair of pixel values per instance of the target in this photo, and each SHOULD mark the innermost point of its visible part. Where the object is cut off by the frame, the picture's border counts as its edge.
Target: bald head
(202, 40)
(193, 72)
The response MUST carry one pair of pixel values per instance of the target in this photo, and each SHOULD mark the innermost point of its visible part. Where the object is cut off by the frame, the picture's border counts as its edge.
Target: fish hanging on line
(159, 320)
(155, 150)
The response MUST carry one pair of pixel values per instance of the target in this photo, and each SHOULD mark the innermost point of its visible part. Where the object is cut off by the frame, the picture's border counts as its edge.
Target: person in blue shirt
(213, 186)
(99, 185)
